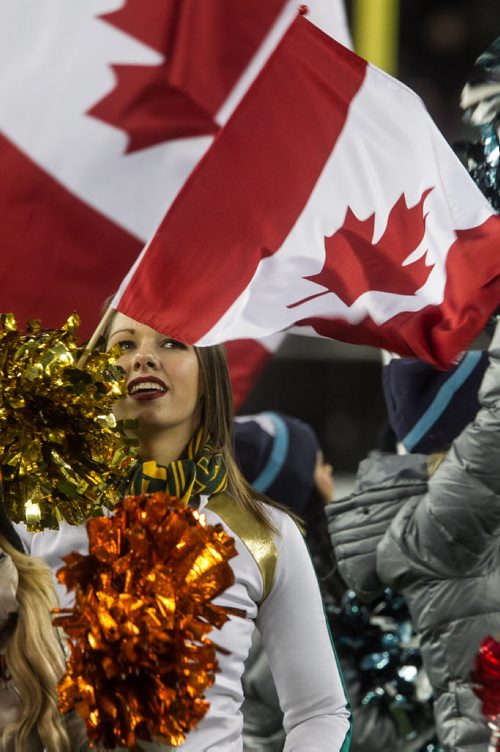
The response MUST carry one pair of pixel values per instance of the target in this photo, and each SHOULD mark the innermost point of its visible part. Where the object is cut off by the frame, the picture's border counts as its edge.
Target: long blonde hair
(35, 658)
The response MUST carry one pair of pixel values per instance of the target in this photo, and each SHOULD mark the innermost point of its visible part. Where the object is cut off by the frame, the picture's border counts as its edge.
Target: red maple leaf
(206, 45)
(150, 110)
(354, 264)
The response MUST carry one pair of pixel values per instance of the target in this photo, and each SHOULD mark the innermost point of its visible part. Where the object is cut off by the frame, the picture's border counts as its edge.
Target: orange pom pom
(141, 659)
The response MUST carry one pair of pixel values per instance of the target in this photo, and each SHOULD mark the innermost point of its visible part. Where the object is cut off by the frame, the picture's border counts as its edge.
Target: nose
(144, 359)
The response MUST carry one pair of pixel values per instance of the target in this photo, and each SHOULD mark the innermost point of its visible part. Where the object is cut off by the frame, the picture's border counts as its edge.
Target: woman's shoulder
(244, 522)
(262, 541)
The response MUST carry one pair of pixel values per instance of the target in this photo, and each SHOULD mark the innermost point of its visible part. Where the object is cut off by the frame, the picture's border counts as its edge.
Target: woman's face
(323, 478)
(162, 378)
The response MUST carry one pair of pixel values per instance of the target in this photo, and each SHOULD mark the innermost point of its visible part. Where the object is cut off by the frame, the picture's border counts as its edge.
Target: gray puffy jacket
(437, 541)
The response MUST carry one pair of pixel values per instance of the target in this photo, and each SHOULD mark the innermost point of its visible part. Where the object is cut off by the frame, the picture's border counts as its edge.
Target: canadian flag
(329, 199)
(246, 359)
(106, 106)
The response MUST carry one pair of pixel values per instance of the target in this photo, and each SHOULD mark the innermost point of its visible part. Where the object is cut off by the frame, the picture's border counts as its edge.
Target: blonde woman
(31, 656)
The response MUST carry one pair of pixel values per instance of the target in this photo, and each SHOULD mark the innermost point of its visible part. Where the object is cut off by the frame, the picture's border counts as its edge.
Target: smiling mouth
(146, 389)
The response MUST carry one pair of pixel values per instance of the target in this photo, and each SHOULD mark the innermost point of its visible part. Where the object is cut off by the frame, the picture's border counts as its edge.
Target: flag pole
(376, 32)
(99, 331)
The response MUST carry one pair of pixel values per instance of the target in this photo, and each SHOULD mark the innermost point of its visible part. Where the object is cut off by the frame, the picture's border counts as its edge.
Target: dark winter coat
(437, 541)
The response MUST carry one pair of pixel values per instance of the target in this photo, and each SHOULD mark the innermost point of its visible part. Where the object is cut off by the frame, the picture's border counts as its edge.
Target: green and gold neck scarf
(201, 471)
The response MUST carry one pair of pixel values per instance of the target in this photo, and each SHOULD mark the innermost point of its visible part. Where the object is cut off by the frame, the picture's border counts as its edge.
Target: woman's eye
(173, 344)
(126, 344)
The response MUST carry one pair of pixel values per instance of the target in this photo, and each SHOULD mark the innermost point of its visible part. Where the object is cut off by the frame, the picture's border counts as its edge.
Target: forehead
(120, 323)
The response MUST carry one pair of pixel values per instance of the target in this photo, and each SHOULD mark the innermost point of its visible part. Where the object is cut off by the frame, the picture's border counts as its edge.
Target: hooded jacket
(437, 541)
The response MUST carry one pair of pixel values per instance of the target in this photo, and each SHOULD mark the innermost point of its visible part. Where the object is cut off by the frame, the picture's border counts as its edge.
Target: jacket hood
(390, 471)
(357, 523)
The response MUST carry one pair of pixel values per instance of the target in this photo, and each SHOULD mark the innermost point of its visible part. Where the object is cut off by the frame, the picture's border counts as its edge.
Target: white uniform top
(293, 627)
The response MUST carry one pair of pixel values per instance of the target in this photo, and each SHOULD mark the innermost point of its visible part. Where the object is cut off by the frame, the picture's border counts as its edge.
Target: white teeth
(146, 386)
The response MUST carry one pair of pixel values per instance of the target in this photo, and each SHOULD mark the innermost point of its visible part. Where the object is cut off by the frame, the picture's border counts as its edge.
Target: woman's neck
(163, 447)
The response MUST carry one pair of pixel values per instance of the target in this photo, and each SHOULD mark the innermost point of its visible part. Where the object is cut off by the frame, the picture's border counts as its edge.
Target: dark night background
(336, 387)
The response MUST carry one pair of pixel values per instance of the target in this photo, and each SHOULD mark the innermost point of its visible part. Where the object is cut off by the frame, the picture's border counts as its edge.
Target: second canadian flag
(328, 199)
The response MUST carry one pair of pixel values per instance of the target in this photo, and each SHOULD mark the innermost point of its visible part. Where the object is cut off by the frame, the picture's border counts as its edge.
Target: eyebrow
(118, 331)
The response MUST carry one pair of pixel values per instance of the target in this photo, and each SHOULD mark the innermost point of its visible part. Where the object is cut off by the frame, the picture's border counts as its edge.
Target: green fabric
(347, 741)
(201, 471)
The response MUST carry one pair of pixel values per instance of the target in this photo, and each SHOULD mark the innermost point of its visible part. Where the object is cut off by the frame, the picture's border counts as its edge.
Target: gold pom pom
(61, 455)
(140, 656)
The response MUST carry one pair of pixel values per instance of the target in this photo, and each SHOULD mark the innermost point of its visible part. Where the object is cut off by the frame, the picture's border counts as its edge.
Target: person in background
(31, 656)
(281, 456)
(433, 535)
(427, 524)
